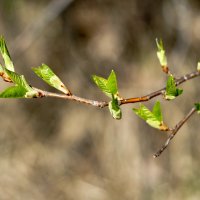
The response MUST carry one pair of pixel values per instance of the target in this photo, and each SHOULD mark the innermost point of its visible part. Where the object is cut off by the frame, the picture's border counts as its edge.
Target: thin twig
(103, 104)
(174, 131)
(42, 93)
(161, 91)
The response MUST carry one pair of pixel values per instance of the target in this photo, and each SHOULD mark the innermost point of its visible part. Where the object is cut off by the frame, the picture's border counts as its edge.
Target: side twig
(174, 131)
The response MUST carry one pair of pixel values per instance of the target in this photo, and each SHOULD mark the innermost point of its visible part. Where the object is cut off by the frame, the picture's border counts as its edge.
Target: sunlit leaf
(5, 54)
(14, 92)
(115, 109)
(157, 111)
(161, 53)
(18, 79)
(197, 106)
(198, 66)
(21, 88)
(112, 83)
(171, 90)
(153, 118)
(108, 86)
(102, 84)
(46, 74)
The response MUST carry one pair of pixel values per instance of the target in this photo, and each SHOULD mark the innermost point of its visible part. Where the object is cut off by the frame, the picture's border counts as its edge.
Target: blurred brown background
(55, 149)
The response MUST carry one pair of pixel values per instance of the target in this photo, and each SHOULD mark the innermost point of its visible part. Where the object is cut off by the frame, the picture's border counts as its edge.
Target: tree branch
(174, 131)
(72, 97)
(103, 104)
(161, 91)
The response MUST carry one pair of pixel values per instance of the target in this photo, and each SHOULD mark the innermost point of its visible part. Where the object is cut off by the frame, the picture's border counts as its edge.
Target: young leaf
(197, 106)
(13, 92)
(108, 86)
(112, 83)
(171, 90)
(5, 54)
(161, 53)
(46, 74)
(198, 66)
(153, 118)
(115, 109)
(102, 84)
(21, 88)
(157, 111)
(19, 80)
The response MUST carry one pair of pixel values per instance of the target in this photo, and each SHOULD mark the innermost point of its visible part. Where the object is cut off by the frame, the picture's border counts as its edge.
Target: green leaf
(46, 74)
(102, 84)
(161, 53)
(157, 111)
(153, 118)
(198, 66)
(108, 86)
(5, 54)
(21, 88)
(171, 90)
(19, 80)
(197, 106)
(112, 83)
(13, 92)
(115, 109)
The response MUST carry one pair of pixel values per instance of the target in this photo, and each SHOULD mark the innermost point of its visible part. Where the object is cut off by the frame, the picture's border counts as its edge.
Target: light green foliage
(198, 66)
(115, 109)
(18, 79)
(46, 74)
(13, 92)
(153, 118)
(161, 53)
(171, 90)
(108, 86)
(21, 88)
(112, 83)
(197, 106)
(102, 84)
(5, 54)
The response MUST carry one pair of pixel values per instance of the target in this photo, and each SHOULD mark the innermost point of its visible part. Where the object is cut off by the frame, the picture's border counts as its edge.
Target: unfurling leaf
(21, 88)
(171, 90)
(108, 86)
(5, 54)
(13, 92)
(46, 74)
(112, 83)
(115, 109)
(102, 84)
(161, 53)
(153, 118)
(18, 79)
(198, 66)
(197, 106)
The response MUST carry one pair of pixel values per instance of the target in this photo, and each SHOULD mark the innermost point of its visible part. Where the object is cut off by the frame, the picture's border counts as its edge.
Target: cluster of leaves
(22, 89)
(154, 118)
(110, 88)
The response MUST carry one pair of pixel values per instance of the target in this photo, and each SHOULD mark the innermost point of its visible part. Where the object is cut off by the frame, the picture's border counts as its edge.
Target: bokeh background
(56, 149)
